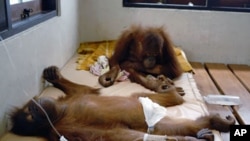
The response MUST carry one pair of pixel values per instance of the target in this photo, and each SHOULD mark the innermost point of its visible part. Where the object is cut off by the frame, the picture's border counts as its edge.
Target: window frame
(10, 28)
(208, 6)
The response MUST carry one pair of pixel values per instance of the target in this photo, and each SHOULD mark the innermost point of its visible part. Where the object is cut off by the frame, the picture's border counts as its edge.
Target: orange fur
(83, 115)
(143, 51)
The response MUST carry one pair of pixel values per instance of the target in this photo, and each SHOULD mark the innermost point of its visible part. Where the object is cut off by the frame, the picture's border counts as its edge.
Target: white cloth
(101, 66)
(148, 137)
(153, 112)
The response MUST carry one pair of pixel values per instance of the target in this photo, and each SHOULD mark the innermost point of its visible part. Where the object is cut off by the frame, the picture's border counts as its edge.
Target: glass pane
(3, 19)
(188, 2)
(144, 1)
(232, 3)
(25, 9)
(176, 2)
(18, 1)
(26, 0)
(14, 2)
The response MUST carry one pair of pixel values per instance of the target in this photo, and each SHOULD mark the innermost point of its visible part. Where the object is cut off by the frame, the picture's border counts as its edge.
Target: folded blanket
(89, 52)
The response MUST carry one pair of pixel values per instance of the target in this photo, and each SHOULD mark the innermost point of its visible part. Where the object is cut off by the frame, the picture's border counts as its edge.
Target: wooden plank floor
(243, 74)
(229, 84)
(214, 78)
(206, 86)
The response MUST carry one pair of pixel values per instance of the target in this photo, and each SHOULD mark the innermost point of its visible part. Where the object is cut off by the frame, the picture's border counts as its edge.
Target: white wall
(205, 36)
(50, 43)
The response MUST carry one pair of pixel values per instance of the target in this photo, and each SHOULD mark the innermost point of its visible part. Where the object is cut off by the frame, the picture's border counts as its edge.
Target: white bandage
(62, 138)
(148, 137)
(153, 112)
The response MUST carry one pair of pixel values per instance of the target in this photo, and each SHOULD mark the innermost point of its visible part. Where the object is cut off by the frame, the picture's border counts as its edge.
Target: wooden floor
(221, 79)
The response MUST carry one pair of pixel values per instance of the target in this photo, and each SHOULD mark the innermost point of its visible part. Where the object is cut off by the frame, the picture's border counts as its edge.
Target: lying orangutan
(83, 115)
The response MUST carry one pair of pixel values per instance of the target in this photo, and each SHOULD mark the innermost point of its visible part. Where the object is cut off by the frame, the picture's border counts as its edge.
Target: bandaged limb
(202, 135)
(149, 137)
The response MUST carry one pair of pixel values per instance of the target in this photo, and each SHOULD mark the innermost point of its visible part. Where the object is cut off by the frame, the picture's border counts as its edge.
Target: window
(219, 5)
(18, 15)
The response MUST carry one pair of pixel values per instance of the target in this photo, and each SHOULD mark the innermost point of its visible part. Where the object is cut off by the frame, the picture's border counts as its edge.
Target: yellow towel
(185, 65)
(88, 53)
